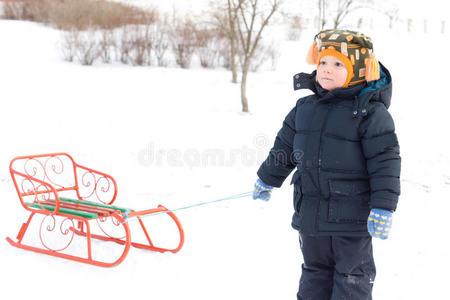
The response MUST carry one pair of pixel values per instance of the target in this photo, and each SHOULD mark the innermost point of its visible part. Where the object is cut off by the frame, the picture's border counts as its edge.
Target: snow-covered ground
(153, 128)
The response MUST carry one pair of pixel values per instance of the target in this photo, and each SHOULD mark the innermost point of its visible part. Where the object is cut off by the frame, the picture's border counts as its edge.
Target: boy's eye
(338, 64)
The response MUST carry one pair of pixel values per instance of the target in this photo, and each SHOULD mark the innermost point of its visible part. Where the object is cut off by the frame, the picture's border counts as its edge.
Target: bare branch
(250, 23)
(275, 6)
(347, 6)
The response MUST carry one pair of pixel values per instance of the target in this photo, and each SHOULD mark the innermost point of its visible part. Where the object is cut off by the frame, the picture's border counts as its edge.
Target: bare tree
(392, 14)
(322, 20)
(232, 11)
(344, 7)
(339, 10)
(224, 19)
(251, 20)
(390, 9)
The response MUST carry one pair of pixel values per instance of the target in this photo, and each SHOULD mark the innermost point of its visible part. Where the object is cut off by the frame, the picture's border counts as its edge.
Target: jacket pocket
(349, 201)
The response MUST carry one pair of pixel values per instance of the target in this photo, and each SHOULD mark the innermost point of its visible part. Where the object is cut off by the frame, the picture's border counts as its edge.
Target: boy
(341, 140)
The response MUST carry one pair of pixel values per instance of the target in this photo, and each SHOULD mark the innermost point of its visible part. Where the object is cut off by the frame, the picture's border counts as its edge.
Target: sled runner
(70, 198)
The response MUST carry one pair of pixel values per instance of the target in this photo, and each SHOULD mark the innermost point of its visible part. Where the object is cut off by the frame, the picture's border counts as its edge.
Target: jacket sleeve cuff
(270, 180)
(383, 204)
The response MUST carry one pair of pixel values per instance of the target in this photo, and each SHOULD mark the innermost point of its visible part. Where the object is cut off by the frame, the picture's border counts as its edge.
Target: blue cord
(190, 206)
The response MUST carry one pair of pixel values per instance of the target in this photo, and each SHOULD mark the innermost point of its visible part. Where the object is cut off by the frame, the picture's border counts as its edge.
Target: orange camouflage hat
(354, 49)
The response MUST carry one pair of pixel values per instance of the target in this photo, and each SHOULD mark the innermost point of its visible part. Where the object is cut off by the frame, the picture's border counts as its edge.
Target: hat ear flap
(313, 54)
(372, 69)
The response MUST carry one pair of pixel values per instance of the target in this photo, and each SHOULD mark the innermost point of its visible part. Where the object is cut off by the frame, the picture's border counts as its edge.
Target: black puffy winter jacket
(346, 152)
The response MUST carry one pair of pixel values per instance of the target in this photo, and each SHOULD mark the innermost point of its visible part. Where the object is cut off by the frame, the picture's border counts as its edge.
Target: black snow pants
(336, 268)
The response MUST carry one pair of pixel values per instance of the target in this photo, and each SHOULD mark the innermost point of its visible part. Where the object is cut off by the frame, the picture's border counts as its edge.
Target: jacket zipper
(319, 167)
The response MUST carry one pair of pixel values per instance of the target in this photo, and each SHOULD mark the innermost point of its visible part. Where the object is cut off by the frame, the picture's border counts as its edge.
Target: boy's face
(331, 73)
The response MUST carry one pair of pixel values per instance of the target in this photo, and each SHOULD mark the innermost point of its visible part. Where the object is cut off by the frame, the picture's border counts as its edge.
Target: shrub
(207, 47)
(125, 45)
(182, 38)
(224, 58)
(295, 28)
(264, 54)
(86, 49)
(160, 38)
(140, 44)
(106, 44)
(68, 44)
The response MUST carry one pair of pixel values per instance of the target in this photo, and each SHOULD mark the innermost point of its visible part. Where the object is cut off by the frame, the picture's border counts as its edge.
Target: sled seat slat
(123, 210)
(71, 205)
(63, 210)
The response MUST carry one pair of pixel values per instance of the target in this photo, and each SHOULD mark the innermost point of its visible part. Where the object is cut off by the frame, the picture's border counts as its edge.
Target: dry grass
(77, 14)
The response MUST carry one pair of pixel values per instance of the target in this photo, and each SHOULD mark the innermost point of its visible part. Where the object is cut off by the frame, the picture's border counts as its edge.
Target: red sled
(43, 183)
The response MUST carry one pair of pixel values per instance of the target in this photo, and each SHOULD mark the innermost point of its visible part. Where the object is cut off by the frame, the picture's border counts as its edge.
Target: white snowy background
(111, 117)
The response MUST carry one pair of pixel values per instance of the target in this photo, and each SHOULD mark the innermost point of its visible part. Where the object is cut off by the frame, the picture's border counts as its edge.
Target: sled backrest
(44, 177)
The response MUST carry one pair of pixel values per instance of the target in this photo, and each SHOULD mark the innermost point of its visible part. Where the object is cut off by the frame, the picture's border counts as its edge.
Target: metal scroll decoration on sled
(43, 182)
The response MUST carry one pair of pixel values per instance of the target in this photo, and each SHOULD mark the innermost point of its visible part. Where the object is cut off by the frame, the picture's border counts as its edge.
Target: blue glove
(379, 223)
(262, 191)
